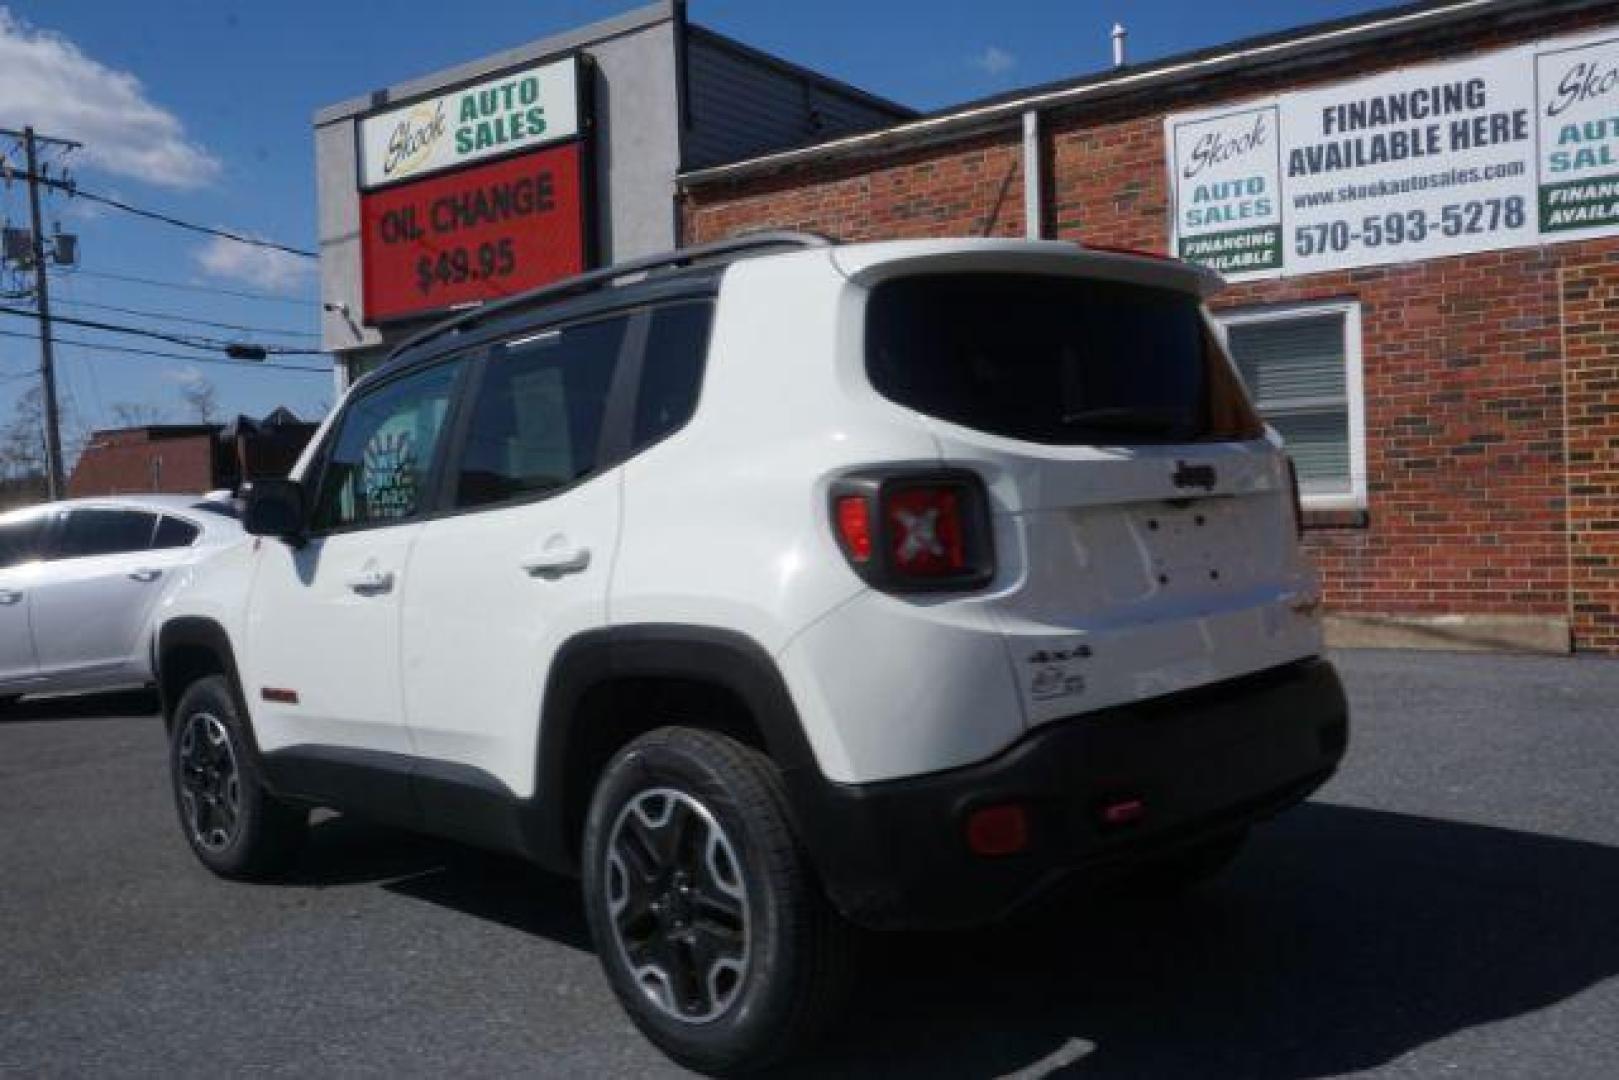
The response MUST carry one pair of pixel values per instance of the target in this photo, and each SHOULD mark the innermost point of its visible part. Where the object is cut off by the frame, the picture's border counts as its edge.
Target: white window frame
(1354, 386)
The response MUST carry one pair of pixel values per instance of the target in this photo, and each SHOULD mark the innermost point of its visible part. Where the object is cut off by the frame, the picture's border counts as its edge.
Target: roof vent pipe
(1119, 34)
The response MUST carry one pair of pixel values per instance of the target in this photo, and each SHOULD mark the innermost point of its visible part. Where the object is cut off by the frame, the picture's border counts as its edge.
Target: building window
(1302, 366)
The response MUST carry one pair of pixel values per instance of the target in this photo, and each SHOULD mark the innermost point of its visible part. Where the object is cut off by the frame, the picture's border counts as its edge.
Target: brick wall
(1491, 380)
(1590, 293)
(128, 462)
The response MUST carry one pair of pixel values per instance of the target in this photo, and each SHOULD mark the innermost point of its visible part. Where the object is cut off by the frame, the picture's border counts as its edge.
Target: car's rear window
(1053, 359)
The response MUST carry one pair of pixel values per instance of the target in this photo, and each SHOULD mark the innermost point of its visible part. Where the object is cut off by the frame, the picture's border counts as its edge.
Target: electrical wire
(240, 365)
(74, 191)
(185, 287)
(176, 317)
(185, 340)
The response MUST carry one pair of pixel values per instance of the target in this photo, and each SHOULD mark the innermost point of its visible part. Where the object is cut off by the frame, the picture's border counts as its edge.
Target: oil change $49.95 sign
(474, 234)
(473, 194)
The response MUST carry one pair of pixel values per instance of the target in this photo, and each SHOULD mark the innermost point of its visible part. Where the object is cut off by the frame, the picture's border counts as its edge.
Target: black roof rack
(734, 246)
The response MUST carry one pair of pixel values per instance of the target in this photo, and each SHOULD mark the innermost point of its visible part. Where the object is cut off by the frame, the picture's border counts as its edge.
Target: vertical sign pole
(47, 364)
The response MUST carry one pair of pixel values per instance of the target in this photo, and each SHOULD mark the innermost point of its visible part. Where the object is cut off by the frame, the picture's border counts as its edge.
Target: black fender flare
(723, 658)
(200, 632)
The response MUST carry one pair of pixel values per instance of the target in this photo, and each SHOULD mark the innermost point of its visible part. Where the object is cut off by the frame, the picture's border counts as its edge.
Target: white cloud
(184, 376)
(49, 83)
(994, 60)
(263, 268)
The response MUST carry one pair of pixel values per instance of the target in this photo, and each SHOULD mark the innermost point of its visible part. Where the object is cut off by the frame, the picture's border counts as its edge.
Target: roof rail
(743, 244)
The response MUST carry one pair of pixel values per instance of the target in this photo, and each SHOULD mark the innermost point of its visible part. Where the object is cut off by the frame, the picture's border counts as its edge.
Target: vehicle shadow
(347, 850)
(1342, 939)
(117, 705)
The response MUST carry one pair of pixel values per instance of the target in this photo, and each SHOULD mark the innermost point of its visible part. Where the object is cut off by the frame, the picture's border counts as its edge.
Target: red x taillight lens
(925, 533)
(915, 531)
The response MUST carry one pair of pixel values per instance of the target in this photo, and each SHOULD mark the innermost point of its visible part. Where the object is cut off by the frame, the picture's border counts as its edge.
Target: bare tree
(22, 446)
(138, 414)
(201, 398)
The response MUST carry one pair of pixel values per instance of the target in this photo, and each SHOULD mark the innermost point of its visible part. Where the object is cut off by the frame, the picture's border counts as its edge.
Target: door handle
(9, 596)
(554, 562)
(370, 582)
(145, 575)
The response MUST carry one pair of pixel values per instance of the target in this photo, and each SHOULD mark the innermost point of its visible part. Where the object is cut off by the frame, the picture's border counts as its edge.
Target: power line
(176, 317)
(188, 341)
(238, 364)
(207, 230)
(185, 287)
(74, 191)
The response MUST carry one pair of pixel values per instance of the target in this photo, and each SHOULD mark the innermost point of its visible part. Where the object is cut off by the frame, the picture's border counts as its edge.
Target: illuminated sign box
(474, 194)
(475, 234)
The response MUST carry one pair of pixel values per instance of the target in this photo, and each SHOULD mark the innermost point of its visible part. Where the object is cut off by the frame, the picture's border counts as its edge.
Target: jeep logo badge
(1194, 476)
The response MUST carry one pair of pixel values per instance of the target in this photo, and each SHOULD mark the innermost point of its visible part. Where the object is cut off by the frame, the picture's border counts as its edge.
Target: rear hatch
(1144, 526)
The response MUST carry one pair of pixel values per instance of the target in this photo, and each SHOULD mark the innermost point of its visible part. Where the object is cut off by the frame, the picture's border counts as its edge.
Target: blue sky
(201, 108)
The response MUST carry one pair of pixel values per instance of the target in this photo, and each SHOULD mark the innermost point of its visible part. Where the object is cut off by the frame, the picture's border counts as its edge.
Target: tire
(690, 864)
(1186, 870)
(235, 827)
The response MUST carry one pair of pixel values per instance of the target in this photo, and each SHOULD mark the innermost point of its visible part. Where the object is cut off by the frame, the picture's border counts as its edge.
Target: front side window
(537, 423)
(1301, 366)
(84, 533)
(377, 469)
(1056, 360)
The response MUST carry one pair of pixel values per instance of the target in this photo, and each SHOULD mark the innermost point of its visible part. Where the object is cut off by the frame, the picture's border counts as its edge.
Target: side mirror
(276, 508)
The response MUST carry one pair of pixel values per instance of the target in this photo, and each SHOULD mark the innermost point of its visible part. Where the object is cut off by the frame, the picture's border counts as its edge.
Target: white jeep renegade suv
(783, 587)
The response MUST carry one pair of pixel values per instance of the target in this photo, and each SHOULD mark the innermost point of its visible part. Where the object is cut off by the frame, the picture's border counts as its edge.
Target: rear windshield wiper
(1127, 418)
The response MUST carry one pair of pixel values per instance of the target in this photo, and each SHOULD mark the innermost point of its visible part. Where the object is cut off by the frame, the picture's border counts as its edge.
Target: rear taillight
(1298, 501)
(853, 516)
(915, 531)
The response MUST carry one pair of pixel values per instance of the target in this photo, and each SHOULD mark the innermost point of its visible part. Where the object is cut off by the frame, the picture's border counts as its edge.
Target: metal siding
(741, 107)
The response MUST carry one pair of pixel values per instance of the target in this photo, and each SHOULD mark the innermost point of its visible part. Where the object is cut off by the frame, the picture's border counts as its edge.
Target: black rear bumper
(1201, 762)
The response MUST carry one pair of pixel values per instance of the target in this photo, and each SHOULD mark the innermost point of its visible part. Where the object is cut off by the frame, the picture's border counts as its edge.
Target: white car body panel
(317, 631)
(483, 617)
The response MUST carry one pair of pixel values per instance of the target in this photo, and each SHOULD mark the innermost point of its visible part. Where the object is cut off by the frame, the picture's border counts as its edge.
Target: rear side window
(537, 423)
(677, 345)
(21, 542)
(1065, 361)
(172, 532)
(104, 532)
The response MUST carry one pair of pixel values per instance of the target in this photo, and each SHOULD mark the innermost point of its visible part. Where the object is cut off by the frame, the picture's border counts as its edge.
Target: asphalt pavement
(1449, 905)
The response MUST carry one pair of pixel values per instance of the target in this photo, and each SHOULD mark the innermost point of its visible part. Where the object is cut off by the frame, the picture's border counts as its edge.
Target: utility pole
(55, 483)
(47, 363)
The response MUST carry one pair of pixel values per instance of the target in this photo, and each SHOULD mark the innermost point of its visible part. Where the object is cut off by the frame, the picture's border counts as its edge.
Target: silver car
(79, 581)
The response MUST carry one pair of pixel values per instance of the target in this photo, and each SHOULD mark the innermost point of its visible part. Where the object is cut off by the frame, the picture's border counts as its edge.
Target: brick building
(1452, 397)
(188, 458)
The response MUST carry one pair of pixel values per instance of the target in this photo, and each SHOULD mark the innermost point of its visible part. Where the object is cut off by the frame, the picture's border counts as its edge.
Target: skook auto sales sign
(1506, 149)
(527, 108)
(474, 194)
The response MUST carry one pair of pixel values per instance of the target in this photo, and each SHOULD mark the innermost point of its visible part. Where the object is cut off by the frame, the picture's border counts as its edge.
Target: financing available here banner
(1506, 149)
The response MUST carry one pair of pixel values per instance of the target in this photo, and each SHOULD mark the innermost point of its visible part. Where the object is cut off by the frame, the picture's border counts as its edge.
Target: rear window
(1054, 360)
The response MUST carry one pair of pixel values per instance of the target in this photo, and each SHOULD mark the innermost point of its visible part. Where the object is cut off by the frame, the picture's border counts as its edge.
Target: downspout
(1034, 215)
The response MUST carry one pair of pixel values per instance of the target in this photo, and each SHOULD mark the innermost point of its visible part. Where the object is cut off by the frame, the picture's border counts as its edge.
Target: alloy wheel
(210, 786)
(679, 904)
